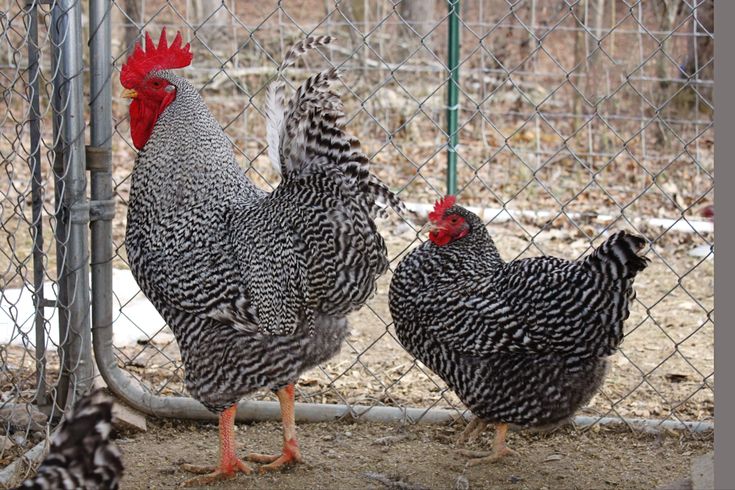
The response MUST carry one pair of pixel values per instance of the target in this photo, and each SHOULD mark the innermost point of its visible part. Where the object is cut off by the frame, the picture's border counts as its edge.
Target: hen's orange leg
(291, 453)
(229, 464)
(473, 429)
(500, 450)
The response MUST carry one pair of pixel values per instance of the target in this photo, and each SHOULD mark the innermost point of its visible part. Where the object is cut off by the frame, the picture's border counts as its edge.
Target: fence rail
(557, 121)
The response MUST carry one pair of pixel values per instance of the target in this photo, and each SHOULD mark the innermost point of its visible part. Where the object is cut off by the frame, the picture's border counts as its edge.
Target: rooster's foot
(291, 455)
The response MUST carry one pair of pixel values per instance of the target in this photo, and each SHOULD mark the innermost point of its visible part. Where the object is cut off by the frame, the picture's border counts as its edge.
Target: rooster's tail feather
(310, 130)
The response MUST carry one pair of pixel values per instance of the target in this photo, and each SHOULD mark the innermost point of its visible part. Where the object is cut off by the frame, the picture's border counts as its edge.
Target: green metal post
(453, 95)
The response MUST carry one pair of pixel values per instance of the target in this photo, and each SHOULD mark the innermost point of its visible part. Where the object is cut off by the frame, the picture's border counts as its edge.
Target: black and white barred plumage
(255, 285)
(522, 342)
(81, 456)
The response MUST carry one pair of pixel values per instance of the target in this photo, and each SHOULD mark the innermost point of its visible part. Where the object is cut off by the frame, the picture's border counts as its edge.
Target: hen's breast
(521, 389)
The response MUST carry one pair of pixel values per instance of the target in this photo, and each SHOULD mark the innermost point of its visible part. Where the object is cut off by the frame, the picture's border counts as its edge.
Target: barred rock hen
(522, 342)
(254, 285)
(81, 455)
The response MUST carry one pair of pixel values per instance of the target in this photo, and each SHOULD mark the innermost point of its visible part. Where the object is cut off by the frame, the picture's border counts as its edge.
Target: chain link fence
(45, 337)
(558, 122)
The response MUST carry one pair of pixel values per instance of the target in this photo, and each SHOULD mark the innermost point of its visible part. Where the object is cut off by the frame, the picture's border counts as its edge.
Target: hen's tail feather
(616, 263)
(618, 256)
(81, 454)
(313, 126)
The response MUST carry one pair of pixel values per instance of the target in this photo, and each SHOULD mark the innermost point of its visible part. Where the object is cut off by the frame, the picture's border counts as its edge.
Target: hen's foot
(473, 454)
(470, 433)
(499, 448)
(494, 457)
(212, 474)
(290, 455)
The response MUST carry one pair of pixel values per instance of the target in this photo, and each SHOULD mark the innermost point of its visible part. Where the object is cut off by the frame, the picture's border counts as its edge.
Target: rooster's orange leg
(291, 453)
(229, 464)
(500, 450)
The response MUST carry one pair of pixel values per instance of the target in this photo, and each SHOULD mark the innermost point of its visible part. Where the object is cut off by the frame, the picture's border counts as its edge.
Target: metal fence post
(34, 164)
(73, 210)
(99, 163)
(452, 95)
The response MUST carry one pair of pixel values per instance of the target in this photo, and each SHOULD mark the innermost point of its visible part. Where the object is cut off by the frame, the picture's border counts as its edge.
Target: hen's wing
(536, 305)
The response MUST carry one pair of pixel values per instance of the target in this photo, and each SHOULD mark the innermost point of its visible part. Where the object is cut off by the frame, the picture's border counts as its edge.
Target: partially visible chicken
(81, 455)
(522, 342)
(255, 285)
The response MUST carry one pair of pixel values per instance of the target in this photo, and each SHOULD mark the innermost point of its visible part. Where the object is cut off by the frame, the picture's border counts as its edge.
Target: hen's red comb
(441, 206)
(163, 56)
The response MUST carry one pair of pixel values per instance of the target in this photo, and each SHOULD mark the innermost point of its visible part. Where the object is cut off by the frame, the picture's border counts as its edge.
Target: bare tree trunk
(213, 22)
(702, 49)
(579, 56)
(593, 87)
(666, 12)
(355, 11)
(421, 16)
(599, 16)
(132, 10)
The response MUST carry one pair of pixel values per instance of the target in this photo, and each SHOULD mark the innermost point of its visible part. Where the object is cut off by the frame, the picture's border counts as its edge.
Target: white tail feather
(275, 113)
(275, 110)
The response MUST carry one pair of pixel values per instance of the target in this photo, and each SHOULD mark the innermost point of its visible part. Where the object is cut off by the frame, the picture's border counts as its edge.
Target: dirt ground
(367, 455)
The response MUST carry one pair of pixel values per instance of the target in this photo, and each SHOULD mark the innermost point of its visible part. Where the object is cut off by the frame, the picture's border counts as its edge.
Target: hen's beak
(129, 93)
(429, 227)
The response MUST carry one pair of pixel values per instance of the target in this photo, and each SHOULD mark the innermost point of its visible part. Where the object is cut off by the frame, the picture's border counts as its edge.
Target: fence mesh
(575, 118)
(44, 345)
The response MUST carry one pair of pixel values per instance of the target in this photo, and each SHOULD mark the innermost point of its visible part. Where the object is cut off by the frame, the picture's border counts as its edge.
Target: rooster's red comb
(163, 56)
(441, 206)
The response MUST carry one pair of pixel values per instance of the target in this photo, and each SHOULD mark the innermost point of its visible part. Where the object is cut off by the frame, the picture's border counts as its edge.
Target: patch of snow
(134, 317)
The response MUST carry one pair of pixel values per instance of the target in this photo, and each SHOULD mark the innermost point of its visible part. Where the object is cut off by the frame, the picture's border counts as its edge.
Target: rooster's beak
(129, 93)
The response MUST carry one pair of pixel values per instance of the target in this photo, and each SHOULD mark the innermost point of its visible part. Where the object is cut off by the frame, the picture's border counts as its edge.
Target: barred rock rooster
(81, 455)
(522, 342)
(254, 285)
